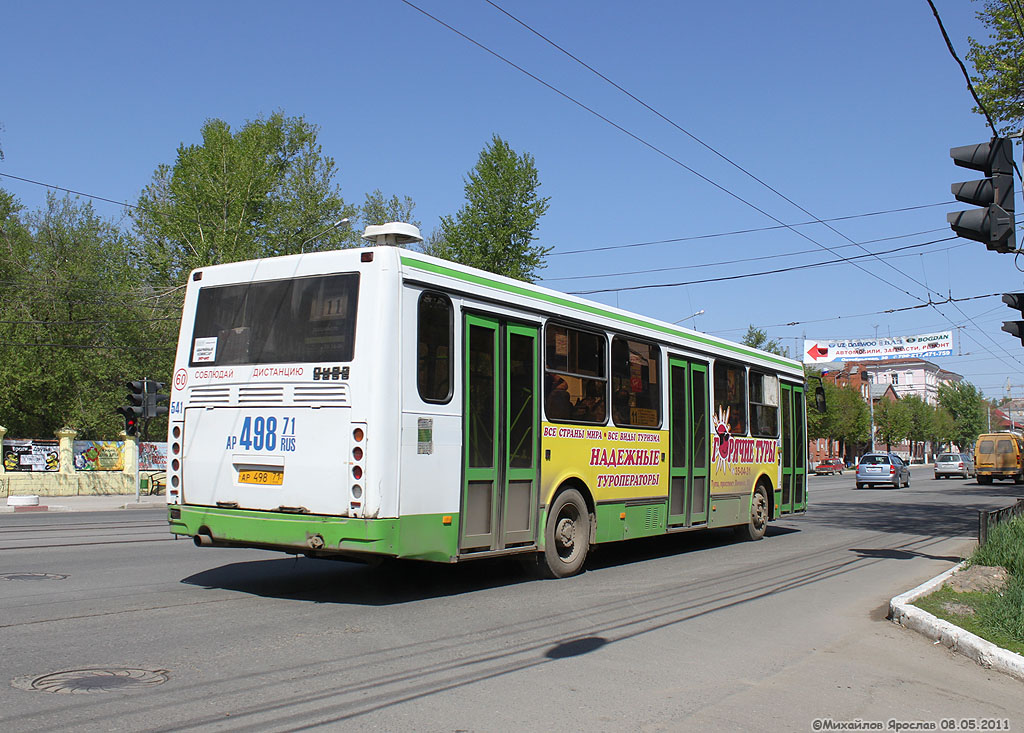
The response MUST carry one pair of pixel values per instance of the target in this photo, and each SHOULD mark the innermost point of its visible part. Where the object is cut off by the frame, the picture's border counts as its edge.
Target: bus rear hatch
(293, 459)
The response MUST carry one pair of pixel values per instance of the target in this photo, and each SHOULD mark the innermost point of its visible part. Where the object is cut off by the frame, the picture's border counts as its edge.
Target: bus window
(730, 400)
(575, 377)
(764, 405)
(635, 383)
(434, 347)
(310, 319)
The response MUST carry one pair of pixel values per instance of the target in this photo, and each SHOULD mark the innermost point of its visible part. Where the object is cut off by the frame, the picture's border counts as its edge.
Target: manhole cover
(32, 576)
(85, 681)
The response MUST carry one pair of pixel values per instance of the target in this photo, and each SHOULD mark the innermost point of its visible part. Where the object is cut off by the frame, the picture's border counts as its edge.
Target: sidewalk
(985, 653)
(108, 502)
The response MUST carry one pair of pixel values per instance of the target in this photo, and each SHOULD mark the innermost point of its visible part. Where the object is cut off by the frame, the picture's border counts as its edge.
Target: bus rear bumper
(423, 537)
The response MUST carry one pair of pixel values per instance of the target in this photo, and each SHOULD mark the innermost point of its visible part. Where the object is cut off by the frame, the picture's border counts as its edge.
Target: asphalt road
(686, 632)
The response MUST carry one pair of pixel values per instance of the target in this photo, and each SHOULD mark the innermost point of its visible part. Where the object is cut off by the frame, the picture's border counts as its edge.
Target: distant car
(829, 467)
(882, 468)
(954, 464)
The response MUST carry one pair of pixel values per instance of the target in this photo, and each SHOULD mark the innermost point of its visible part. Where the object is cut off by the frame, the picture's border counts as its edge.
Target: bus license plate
(264, 478)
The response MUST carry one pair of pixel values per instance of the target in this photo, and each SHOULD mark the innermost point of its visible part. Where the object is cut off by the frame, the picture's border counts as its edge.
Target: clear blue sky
(845, 108)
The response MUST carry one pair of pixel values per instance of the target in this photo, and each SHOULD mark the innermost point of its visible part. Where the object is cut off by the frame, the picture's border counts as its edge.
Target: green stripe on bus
(420, 536)
(591, 309)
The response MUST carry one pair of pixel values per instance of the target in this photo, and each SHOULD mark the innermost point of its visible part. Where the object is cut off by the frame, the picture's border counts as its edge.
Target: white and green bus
(381, 403)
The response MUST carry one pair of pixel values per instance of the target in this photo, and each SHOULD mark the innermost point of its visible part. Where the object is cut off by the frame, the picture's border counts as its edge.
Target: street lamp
(340, 223)
(693, 315)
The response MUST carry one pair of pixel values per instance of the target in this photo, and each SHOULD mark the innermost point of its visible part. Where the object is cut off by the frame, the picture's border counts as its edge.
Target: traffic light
(144, 400)
(992, 224)
(137, 395)
(135, 410)
(154, 398)
(132, 415)
(1015, 301)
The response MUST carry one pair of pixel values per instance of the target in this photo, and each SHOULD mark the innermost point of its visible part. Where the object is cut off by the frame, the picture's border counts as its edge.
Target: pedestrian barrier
(990, 518)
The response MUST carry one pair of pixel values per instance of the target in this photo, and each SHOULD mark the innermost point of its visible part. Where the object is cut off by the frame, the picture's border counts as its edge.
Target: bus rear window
(310, 319)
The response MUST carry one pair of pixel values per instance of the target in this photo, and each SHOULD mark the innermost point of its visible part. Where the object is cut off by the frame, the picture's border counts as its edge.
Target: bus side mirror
(819, 399)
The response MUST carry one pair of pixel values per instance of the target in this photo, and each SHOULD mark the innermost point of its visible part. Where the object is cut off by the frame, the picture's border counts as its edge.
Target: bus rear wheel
(566, 535)
(757, 525)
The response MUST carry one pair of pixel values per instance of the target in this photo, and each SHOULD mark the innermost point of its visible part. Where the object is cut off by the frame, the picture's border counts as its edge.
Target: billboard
(31, 455)
(921, 346)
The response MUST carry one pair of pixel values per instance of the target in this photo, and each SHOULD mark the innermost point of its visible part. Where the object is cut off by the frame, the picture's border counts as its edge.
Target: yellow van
(998, 455)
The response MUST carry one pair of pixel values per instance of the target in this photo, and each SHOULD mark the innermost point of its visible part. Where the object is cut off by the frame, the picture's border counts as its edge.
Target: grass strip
(996, 616)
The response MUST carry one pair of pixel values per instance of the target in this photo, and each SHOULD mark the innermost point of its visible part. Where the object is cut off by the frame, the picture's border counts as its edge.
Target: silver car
(954, 464)
(882, 468)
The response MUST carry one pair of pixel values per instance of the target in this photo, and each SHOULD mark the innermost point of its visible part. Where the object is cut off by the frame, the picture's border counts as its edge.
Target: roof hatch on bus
(393, 233)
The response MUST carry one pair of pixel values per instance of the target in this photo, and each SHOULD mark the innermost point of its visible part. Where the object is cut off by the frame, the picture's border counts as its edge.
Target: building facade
(889, 379)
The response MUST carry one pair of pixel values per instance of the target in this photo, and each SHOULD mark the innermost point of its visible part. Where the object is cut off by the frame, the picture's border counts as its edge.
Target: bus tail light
(174, 474)
(358, 468)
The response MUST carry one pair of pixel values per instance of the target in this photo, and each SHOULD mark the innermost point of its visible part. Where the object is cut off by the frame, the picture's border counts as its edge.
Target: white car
(954, 464)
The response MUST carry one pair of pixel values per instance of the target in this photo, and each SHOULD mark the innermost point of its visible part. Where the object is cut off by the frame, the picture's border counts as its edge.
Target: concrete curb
(952, 637)
(126, 503)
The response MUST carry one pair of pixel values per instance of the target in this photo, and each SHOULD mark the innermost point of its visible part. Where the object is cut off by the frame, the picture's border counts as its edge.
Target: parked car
(954, 464)
(831, 466)
(882, 468)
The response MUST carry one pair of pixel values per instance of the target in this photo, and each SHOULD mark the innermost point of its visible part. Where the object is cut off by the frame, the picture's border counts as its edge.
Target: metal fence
(990, 518)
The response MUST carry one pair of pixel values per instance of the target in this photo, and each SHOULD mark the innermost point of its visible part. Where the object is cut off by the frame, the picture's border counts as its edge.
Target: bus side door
(688, 430)
(500, 435)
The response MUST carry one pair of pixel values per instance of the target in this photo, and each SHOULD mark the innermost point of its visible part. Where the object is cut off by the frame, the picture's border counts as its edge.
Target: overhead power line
(702, 143)
(753, 230)
(726, 278)
(963, 69)
(887, 311)
(743, 170)
(744, 260)
(654, 148)
(125, 347)
(70, 190)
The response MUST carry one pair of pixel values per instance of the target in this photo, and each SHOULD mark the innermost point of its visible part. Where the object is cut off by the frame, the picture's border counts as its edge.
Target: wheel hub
(566, 532)
(760, 511)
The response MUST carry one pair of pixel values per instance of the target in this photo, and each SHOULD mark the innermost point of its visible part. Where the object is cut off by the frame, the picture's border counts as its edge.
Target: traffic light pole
(144, 400)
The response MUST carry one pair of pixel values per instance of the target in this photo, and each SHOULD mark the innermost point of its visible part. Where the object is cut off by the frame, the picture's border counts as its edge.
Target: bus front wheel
(567, 535)
(757, 525)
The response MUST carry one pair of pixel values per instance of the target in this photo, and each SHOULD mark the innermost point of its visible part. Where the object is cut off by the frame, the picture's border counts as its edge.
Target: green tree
(846, 418)
(851, 421)
(75, 322)
(921, 416)
(893, 421)
(819, 424)
(758, 339)
(967, 407)
(264, 190)
(999, 63)
(494, 230)
(943, 429)
(379, 210)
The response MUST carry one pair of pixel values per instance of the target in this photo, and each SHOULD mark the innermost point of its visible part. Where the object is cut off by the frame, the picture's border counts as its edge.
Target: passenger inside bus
(590, 407)
(558, 404)
(620, 406)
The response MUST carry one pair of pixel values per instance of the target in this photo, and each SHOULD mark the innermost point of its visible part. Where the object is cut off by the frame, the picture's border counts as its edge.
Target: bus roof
(574, 306)
(418, 266)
